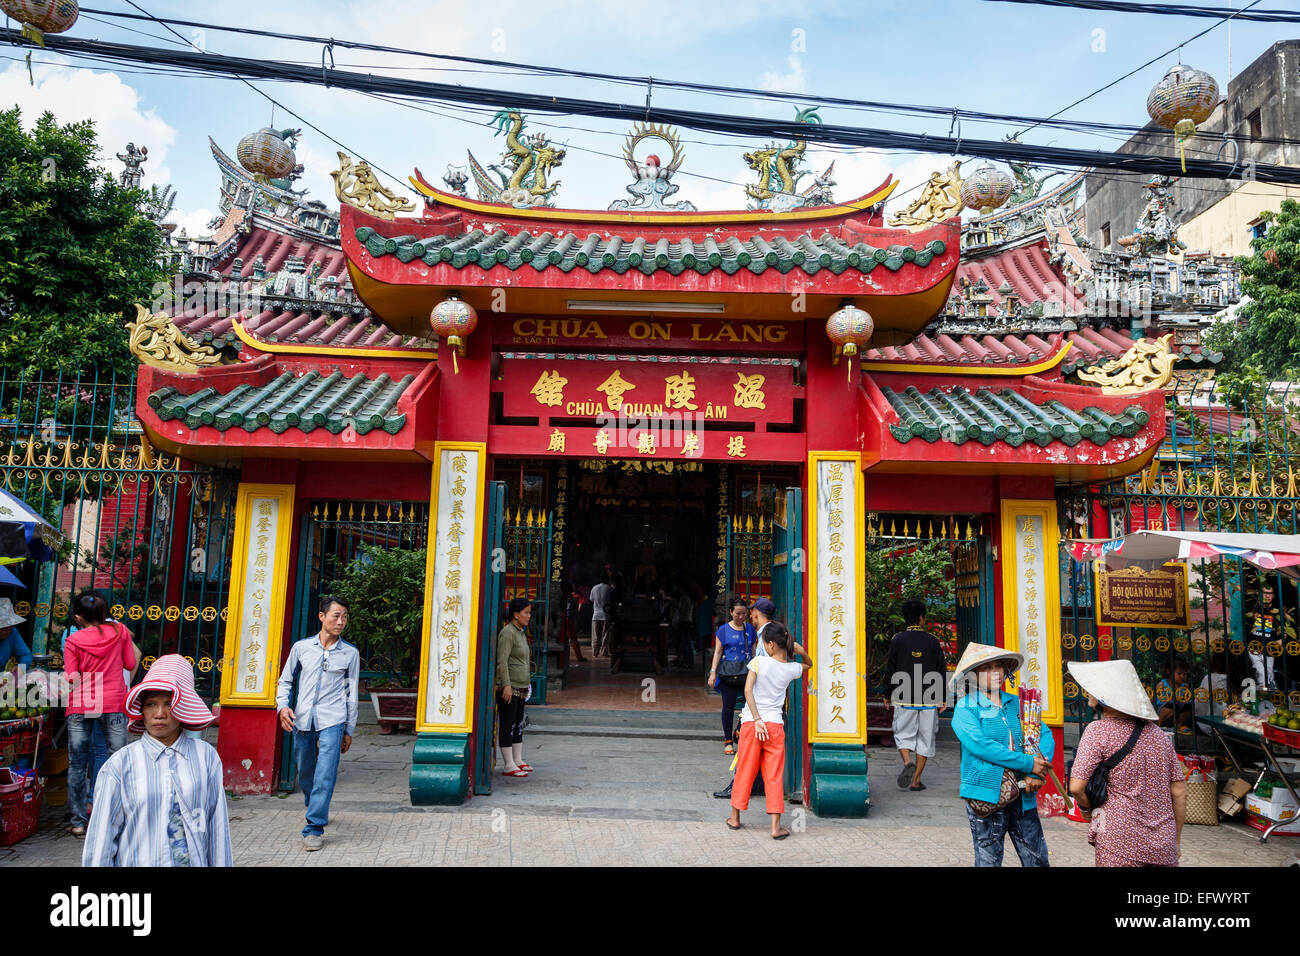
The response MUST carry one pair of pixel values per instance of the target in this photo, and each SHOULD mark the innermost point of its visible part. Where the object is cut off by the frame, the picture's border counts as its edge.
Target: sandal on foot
(526, 768)
(729, 750)
(514, 773)
(917, 786)
(738, 826)
(905, 776)
(781, 835)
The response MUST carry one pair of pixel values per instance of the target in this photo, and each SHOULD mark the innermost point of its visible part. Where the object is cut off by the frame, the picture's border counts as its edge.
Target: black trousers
(510, 719)
(729, 697)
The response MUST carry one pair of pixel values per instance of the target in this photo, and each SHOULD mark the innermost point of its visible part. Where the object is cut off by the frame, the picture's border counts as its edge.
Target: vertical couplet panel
(1031, 603)
(259, 580)
(451, 590)
(836, 541)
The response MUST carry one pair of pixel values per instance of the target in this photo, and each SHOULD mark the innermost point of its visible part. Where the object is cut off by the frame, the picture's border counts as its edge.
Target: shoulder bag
(733, 673)
(1010, 789)
(1097, 790)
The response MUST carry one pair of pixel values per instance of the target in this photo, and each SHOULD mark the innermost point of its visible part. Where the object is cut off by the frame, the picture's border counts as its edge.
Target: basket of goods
(1284, 727)
(20, 805)
(1201, 777)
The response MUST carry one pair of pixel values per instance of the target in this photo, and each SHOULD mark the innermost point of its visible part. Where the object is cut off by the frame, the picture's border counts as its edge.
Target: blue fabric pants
(81, 732)
(989, 834)
(318, 768)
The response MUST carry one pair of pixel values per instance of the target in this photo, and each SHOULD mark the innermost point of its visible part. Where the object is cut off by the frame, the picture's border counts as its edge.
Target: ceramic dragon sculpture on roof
(528, 160)
(779, 173)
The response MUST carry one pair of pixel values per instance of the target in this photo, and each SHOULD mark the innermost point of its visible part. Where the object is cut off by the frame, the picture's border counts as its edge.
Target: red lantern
(850, 328)
(453, 319)
(42, 16)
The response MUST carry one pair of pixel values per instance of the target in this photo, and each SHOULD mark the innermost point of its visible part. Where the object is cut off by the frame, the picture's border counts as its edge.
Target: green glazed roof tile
(959, 415)
(305, 402)
(594, 252)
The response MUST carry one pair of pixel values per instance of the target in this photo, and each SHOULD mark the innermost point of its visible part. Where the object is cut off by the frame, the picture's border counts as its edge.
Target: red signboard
(592, 389)
(602, 333)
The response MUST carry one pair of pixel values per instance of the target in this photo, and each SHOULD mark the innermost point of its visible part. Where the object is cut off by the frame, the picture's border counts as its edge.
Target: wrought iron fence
(147, 530)
(1221, 468)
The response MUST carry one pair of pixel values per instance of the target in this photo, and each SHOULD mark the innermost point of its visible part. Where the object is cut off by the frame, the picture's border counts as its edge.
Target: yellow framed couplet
(1031, 597)
(449, 639)
(258, 587)
(837, 707)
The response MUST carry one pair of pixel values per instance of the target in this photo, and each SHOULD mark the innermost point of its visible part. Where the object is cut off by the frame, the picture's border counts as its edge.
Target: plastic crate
(1282, 735)
(20, 806)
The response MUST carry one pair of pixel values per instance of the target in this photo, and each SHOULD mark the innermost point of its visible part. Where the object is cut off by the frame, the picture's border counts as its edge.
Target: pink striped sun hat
(175, 675)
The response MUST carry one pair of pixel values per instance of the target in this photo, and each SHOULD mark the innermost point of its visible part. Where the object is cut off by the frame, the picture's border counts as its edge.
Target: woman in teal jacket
(987, 722)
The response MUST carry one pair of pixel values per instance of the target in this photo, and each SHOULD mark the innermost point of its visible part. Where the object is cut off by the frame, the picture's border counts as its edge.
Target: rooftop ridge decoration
(779, 173)
(528, 161)
(357, 185)
(939, 200)
(409, 350)
(653, 180)
(568, 250)
(156, 340)
(437, 197)
(1147, 365)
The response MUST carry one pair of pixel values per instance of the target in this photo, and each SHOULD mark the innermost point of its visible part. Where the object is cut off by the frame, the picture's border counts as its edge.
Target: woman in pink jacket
(93, 660)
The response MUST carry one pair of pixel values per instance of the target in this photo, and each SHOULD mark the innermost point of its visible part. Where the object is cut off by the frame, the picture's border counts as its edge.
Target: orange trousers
(771, 752)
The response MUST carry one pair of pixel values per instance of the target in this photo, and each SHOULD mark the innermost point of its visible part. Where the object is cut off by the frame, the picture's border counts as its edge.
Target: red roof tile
(1028, 271)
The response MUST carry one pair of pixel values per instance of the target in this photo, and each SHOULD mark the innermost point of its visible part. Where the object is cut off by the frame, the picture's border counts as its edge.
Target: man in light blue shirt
(328, 669)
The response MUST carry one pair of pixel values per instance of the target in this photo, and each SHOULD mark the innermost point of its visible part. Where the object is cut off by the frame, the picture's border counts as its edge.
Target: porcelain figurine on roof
(1156, 233)
(653, 179)
(778, 171)
(528, 161)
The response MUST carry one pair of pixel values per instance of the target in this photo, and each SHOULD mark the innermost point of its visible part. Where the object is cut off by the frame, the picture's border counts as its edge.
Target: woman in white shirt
(762, 740)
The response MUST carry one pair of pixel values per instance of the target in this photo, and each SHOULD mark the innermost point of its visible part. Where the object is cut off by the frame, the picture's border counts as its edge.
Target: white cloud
(793, 82)
(73, 95)
(195, 222)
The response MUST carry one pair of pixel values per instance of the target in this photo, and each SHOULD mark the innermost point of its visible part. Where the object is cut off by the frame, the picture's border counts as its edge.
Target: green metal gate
(1222, 467)
(332, 535)
(485, 730)
(789, 564)
(527, 574)
(150, 532)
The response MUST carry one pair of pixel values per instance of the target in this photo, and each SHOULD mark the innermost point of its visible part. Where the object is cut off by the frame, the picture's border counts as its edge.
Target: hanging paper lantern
(45, 16)
(850, 328)
(453, 319)
(986, 189)
(264, 153)
(1185, 97)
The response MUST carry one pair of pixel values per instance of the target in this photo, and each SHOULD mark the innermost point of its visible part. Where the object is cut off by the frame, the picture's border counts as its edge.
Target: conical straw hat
(1116, 684)
(976, 655)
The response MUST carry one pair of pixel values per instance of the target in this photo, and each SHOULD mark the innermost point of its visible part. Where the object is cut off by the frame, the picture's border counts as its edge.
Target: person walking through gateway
(602, 610)
(733, 646)
(514, 682)
(915, 668)
(762, 725)
(1141, 823)
(328, 669)
(998, 779)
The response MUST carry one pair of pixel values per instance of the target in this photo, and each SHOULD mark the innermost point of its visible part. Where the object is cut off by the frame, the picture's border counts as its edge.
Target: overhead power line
(746, 126)
(1166, 9)
(641, 82)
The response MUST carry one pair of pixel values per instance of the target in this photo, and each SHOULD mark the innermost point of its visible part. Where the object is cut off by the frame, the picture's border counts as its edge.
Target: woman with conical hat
(998, 779)
(1141, 823)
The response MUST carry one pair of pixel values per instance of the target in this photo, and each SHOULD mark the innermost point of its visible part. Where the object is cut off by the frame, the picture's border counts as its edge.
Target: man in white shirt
(602, 600)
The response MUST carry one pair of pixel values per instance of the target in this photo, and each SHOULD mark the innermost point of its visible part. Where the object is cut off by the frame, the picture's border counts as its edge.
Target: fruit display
(20, 713)
(1286, 719)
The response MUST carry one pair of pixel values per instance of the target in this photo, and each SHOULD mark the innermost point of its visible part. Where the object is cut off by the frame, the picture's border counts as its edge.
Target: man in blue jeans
(328, 669)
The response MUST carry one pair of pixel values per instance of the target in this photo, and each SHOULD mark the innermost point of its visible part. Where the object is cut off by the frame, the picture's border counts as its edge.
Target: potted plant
(894, 575)
(384, 588)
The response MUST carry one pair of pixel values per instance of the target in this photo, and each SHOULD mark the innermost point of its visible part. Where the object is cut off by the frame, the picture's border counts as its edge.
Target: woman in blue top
(733, 641)
(987, 722)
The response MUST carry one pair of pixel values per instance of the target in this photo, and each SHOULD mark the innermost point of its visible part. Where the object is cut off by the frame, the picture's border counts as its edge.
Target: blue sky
(996, 57)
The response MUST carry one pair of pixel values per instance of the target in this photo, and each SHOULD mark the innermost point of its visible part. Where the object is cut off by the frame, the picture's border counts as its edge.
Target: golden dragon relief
(155, 340)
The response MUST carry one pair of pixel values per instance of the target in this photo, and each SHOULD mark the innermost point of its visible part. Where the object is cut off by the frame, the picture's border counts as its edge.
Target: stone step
(661, 725)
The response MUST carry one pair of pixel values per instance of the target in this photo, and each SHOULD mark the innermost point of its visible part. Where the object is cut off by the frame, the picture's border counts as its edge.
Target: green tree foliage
(1265, 341)
(384, 588)
(76, 252)
(895, 575)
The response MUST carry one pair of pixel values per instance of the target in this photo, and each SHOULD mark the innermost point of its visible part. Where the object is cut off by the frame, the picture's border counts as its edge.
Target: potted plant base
(394, 707)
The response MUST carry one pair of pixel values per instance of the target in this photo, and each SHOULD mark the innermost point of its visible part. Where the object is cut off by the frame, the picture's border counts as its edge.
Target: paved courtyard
(606, 794)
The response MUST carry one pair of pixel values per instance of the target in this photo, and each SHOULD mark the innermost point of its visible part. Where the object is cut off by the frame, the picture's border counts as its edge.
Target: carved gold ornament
(1145, 366)
(155, 340)
(939, 200)
(357, 185)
